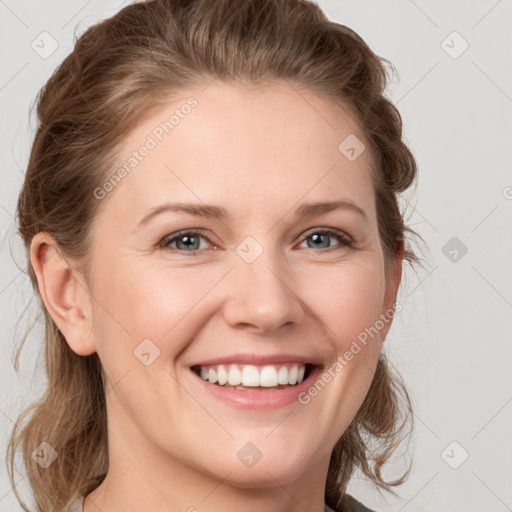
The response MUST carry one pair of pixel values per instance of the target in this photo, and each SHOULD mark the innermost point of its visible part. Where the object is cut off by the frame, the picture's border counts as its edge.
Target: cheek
(348, 300)
(136, 303)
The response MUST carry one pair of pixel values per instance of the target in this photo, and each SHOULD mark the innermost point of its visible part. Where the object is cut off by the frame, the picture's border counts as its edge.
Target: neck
(140, 477)
(118, 492)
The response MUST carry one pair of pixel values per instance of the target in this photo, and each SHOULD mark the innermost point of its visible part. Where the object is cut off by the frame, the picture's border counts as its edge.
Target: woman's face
(261, 281)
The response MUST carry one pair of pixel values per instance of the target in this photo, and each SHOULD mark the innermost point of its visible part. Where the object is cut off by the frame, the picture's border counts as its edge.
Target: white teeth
(268, 377)
(212, 375)
(222, 375)
(282, 376)
(252, 376)
(234, 376)
(292, 374)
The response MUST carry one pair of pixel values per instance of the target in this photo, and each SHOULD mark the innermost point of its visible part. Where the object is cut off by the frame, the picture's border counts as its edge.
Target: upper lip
(260, 359)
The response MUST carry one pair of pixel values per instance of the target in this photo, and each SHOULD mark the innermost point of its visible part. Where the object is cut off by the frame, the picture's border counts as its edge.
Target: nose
(262, 295)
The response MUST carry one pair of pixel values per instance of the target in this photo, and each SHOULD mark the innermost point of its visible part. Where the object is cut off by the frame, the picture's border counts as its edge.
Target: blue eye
(190, 241)
(321, 235)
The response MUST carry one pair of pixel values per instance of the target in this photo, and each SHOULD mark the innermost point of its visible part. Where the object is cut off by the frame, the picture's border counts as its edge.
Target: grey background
(451, 341)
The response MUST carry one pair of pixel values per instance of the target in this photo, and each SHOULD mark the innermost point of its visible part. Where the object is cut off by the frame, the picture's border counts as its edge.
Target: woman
(211, 219)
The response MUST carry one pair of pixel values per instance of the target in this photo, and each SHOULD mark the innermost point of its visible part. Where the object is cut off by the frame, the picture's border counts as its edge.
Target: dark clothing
(353, 505)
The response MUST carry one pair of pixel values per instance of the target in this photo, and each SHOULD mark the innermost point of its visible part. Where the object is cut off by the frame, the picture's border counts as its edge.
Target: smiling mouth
(251, 377)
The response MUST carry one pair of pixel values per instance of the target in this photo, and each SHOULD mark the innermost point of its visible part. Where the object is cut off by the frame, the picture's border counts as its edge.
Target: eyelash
(345, 240)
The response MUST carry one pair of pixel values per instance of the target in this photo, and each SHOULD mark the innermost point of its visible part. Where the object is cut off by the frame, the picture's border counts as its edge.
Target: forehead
(227, 143)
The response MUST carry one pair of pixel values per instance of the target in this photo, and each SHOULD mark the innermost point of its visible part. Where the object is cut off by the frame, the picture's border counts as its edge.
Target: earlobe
(65, 297)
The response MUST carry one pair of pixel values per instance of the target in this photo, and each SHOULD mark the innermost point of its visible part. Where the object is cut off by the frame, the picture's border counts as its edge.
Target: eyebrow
(217, 212)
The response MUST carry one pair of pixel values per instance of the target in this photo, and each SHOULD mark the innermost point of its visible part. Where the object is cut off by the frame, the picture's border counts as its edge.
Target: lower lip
(256, 398)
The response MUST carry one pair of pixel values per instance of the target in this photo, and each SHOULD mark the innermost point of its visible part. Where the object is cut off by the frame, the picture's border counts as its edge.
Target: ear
(64, 292)
(393, 278)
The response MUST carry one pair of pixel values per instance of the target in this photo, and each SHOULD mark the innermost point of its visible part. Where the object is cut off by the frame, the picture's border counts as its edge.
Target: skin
(259, 152)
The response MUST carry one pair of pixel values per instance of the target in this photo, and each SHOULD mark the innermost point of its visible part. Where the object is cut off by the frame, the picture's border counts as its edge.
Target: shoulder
(350, 504)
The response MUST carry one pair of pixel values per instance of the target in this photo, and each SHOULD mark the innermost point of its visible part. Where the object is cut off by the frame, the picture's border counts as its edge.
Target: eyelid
(345, 239)
(181, 232)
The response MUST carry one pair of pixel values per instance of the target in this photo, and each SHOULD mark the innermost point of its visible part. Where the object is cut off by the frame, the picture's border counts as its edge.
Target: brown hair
(121, 69)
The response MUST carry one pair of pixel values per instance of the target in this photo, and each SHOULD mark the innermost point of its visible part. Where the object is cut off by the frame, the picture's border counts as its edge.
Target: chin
(265, 476)
(278, 469)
